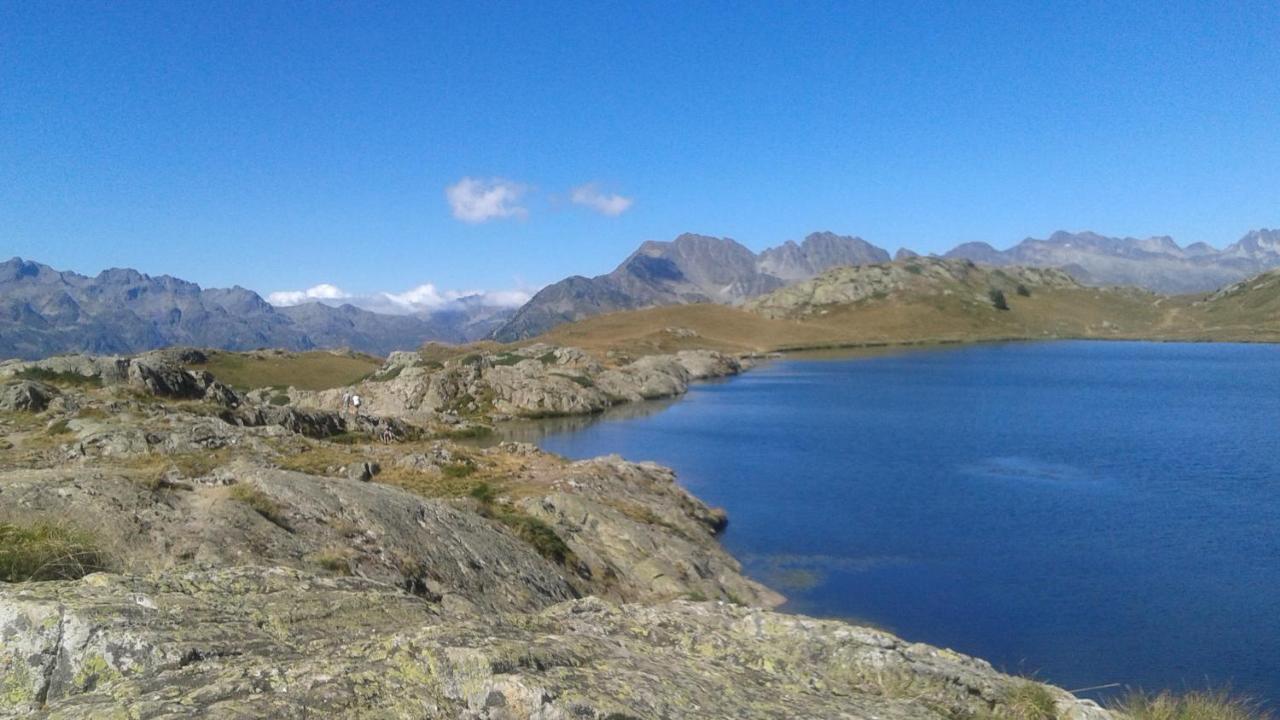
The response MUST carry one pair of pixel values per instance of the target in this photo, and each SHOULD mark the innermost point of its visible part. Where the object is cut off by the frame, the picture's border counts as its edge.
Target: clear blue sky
(280, 145)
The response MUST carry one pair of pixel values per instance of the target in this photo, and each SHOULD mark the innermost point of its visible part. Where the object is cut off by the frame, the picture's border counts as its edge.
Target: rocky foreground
(258, 554)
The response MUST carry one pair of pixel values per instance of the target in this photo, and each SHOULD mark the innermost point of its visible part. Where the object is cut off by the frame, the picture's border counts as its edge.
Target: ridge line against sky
(507, 146)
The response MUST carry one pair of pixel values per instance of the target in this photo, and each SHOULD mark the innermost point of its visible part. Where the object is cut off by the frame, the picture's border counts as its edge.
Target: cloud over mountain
(590, 196)
(477, 200)
(425, 298)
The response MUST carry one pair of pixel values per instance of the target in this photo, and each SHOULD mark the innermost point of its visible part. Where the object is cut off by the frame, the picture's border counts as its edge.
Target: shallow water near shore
(1085, 512)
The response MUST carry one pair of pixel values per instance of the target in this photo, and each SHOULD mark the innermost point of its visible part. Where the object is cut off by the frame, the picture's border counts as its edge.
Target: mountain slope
(120, 311)
(690, 269)
(1155, 263)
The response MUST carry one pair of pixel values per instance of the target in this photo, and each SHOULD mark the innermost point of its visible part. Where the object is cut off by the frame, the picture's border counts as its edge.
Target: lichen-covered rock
(272, 642)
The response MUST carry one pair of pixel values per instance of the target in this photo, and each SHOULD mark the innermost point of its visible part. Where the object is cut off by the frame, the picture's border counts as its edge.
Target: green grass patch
(483, 492)
(45, 550)
(548, 358)
(470, 432)
(316, 370)
(458, 470)
(260, 503)
(533, 531)
(506, 359)
(73, 379)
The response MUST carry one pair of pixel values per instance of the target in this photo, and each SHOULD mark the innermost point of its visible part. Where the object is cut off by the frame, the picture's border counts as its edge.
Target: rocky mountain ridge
(690, 269)
(1154, 263)
(45, 311)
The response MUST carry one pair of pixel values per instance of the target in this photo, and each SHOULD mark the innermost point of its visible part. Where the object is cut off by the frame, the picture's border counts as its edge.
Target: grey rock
(363, 471)
(26, 396)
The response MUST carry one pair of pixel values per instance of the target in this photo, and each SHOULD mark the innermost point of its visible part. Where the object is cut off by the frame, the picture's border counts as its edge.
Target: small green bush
(47, 551)
(1023, 290)
(997, 299)
(507, 359)
(913, 269)
(548, 358)
(483, 492)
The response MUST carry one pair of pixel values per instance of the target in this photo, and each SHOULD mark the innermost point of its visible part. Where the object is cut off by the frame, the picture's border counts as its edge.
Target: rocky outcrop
(26, 396)
(534, 381)
(273, 642)
(914, 278)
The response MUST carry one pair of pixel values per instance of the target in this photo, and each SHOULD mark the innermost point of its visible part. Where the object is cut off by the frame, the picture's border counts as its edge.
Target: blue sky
(282, 145)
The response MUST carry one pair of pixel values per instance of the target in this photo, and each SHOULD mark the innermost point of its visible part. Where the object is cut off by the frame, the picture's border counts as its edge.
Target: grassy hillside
(316, 370)
(843, 308)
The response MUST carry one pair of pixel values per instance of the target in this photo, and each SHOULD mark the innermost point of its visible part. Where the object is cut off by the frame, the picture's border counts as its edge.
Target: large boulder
(26, 396)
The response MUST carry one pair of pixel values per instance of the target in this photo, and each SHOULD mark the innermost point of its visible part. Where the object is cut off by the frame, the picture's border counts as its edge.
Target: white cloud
(426, 298)
(605, 204)
(477, 200)
(323, 291)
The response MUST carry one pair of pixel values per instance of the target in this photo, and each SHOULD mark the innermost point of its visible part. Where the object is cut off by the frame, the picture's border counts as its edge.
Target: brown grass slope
(921, 301)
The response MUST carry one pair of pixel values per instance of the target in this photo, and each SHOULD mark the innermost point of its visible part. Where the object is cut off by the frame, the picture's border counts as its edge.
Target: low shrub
(997, 299)
(533, 531)
(45, 550)
(1023, 290)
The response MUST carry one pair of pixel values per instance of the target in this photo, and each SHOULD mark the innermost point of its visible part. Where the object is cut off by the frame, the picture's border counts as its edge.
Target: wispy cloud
(426, 298)
(610, 204)
(323, 291)
(477, 200)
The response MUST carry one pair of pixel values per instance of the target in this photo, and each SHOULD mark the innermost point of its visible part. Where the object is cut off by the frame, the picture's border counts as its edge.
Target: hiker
(355, 405)
(346, 401)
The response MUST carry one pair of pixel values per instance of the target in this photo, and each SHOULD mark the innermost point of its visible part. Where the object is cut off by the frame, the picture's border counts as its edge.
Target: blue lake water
(1089, 513)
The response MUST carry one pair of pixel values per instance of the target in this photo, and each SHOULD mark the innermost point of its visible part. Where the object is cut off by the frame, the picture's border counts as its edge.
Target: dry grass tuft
(48, 550)
(1198, 705)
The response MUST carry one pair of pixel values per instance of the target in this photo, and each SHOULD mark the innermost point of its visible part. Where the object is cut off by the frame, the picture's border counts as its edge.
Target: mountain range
(45, 311)
(690, 269)
(697, 268)
(1154, 263)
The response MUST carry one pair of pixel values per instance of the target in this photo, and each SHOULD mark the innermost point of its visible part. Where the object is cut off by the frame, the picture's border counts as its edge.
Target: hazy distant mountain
(1155, 263)
(44, 311)
(691, 268)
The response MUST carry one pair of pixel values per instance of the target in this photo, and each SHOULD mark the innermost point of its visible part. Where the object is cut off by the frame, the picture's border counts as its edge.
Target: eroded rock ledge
(272, 642)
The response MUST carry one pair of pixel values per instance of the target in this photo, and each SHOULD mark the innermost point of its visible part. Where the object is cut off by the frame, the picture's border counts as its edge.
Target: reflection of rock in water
(532, 431)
